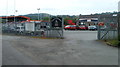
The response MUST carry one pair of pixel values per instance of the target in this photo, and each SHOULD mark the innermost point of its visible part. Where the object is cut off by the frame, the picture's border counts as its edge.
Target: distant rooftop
(98, 16)
(17, 18)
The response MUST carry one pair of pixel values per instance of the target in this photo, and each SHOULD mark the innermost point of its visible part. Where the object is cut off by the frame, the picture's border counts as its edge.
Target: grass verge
(114, 43)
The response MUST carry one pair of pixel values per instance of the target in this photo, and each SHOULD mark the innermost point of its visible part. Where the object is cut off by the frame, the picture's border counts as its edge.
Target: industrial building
(87, 20)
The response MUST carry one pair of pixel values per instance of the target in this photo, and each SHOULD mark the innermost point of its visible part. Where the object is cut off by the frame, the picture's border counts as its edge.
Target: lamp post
(15, 21)
(6, 10)
(15, 14)
(38, 13)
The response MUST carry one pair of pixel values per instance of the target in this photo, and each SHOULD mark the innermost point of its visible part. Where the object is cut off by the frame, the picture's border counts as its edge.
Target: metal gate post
(62, 26)
(99, 29)
(99, 32)
(119, 25)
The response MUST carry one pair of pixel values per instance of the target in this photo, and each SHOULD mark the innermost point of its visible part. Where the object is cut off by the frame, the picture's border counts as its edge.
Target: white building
(119, 6)
(87, 21)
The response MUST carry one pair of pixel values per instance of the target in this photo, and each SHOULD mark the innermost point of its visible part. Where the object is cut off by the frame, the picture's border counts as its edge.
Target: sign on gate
(56, 22)
(56, 29)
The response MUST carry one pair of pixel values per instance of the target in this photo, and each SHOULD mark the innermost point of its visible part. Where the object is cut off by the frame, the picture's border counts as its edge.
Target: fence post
(99, 32)
(99, 29)
(119, 26)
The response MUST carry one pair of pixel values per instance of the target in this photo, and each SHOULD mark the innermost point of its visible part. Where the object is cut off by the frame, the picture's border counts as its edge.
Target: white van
(20, 29)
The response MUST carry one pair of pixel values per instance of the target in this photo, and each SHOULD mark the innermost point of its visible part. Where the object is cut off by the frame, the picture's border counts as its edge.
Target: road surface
(78, 48)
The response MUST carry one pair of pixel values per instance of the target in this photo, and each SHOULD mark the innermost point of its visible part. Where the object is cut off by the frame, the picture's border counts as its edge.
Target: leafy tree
(66, 20)
(74, 19)
(46, 18)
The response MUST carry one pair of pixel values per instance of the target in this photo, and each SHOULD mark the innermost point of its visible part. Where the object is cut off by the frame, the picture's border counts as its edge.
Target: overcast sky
(57, 7)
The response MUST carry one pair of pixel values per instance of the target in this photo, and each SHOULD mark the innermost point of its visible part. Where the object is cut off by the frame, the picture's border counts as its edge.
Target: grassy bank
(115, 43)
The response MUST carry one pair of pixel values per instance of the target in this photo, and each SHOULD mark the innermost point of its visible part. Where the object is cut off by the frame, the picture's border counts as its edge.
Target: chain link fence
(109, 28)
(41, 29)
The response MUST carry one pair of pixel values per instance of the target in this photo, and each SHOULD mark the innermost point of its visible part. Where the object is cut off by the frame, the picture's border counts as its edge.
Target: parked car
(70, 27)
(73, 27)
(93, 27)
(67, 27)
(82, 27)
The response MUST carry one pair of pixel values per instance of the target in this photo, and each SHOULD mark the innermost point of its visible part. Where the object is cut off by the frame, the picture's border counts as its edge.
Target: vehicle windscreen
(17, 27)
(67, 26)
(72, 26)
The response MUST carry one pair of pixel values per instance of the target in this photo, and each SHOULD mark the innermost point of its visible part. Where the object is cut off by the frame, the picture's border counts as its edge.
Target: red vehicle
(70, 27)
(82, 28)
(67, 27)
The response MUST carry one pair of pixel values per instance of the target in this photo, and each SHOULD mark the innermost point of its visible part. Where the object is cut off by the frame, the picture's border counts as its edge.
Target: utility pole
(38, 13)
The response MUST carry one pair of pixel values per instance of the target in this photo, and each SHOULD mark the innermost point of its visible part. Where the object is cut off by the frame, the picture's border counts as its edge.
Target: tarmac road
(11, 56)
(78, 48)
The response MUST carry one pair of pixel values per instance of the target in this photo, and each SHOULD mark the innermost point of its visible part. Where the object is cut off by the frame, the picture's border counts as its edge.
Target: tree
(69, 18)
(66, 20)
(46, 18)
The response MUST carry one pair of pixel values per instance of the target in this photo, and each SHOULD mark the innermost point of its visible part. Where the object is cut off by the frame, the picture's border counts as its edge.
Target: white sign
(89, 20)
(114, 14)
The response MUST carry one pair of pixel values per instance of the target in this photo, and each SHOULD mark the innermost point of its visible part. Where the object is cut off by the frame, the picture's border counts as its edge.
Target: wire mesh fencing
(109, 29)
